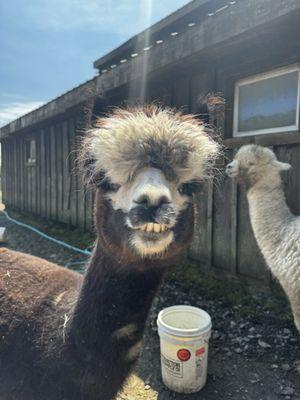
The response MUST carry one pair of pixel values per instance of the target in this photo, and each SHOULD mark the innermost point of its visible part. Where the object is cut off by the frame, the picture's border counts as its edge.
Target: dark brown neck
(110, 316)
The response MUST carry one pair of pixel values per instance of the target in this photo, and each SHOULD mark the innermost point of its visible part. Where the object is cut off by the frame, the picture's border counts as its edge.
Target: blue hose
(52, 239)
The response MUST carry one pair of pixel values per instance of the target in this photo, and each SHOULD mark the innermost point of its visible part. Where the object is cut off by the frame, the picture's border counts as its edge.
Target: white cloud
(14, 110)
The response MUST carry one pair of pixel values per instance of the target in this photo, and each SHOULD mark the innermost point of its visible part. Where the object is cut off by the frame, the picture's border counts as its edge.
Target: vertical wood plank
(25, 177)
(43, 176)
(233, 233)
(7, 172)
(38, 172)
(48, 172)
(209, 230)
(88, 209)
(181, 93)
(198, 249)
(34, 185)
(29, 181)
(3, 171)
(202, 246)
(15, 175)
(59, 171)
(53, 180)
(73, 192)
(291, 178)
(21, 167)
(66, 170)
(80, 191)
(22, 174)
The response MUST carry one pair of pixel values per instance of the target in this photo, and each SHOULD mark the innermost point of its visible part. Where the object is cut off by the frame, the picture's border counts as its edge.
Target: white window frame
(257, 78)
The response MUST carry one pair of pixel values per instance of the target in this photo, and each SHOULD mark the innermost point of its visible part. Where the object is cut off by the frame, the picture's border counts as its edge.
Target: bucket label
(199, 352)
(172, 367)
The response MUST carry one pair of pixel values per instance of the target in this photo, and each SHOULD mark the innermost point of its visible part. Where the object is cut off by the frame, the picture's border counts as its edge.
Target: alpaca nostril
(142, 200)
(151, 201)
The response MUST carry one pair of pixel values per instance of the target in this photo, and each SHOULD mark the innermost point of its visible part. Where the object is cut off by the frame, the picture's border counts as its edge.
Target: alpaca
(276, 229)
(64, 336)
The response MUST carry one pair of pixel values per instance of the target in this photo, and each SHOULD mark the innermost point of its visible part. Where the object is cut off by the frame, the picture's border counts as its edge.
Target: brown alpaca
(64, 336)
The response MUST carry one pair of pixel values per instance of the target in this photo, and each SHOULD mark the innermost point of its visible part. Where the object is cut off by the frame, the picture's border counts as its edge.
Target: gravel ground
(253, 355)
(22, 239)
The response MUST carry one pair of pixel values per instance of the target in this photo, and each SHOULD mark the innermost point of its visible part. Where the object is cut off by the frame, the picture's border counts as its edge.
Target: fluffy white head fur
(257, 163)
(129, 140)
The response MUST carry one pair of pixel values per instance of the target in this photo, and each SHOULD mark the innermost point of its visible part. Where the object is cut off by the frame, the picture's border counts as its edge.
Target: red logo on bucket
(183, 354)
(200, 351)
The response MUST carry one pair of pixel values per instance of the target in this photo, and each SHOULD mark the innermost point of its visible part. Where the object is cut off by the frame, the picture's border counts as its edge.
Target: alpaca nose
(229, 168)
(153, 199)
(151, 189)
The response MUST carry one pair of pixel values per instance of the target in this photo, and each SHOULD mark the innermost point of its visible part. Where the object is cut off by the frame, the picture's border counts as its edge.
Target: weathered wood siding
(51, 187)
(223, 240)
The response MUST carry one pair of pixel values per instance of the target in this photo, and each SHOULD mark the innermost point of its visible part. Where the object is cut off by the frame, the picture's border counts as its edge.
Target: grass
(230, 293)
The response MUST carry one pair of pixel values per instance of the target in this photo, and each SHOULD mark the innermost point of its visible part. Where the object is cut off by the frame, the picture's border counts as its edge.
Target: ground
(254, 348)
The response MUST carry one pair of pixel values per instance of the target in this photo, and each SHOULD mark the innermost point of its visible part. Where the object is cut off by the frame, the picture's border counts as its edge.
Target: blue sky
(48, 46)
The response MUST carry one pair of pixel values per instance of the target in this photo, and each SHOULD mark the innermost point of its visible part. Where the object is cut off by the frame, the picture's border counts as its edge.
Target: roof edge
(143, 36)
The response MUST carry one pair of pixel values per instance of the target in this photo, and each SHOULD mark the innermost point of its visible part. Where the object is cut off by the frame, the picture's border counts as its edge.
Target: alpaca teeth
(150, 227)
(156, 228)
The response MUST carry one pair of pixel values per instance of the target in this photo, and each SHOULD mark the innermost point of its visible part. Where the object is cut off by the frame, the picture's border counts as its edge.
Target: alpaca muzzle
(152, 219)
(232, 169)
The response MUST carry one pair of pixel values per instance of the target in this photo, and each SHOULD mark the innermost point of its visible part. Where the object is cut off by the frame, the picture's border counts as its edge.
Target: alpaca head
(146, 163)
(255, 164)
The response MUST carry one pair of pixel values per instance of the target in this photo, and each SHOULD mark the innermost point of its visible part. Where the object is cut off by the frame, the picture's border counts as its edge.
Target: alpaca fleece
(150, 136)
(276, 229)
(64, 336)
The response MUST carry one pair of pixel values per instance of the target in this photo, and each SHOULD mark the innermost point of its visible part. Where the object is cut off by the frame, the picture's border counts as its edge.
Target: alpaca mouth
(153, 227)
(151, 243)
(152, 232)
(230, 173)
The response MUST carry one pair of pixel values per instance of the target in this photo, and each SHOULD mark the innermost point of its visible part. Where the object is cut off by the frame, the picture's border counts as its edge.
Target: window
(267, 103)
(31, 152)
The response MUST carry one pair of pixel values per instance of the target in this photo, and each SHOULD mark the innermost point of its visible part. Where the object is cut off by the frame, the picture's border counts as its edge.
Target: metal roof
(155, 32)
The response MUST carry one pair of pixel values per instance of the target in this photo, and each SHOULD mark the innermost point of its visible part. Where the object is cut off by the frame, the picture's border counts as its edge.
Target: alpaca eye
(108, 186)
(251, 163)
(188, 188)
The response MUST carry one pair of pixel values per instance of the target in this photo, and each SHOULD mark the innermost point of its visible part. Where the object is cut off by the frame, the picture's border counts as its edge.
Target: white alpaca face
(151, 205)
(253, 163)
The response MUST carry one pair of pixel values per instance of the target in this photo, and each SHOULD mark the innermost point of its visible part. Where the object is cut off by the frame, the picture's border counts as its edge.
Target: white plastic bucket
(184, 334)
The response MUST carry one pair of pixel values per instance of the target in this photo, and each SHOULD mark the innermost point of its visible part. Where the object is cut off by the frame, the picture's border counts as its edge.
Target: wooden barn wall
(51, 188)
(223, 241)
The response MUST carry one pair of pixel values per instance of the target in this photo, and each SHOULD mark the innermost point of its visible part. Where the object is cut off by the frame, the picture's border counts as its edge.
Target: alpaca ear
(281, 165)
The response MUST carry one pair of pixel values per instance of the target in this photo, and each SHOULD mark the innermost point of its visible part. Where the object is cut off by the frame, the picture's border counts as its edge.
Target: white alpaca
(276, 229)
